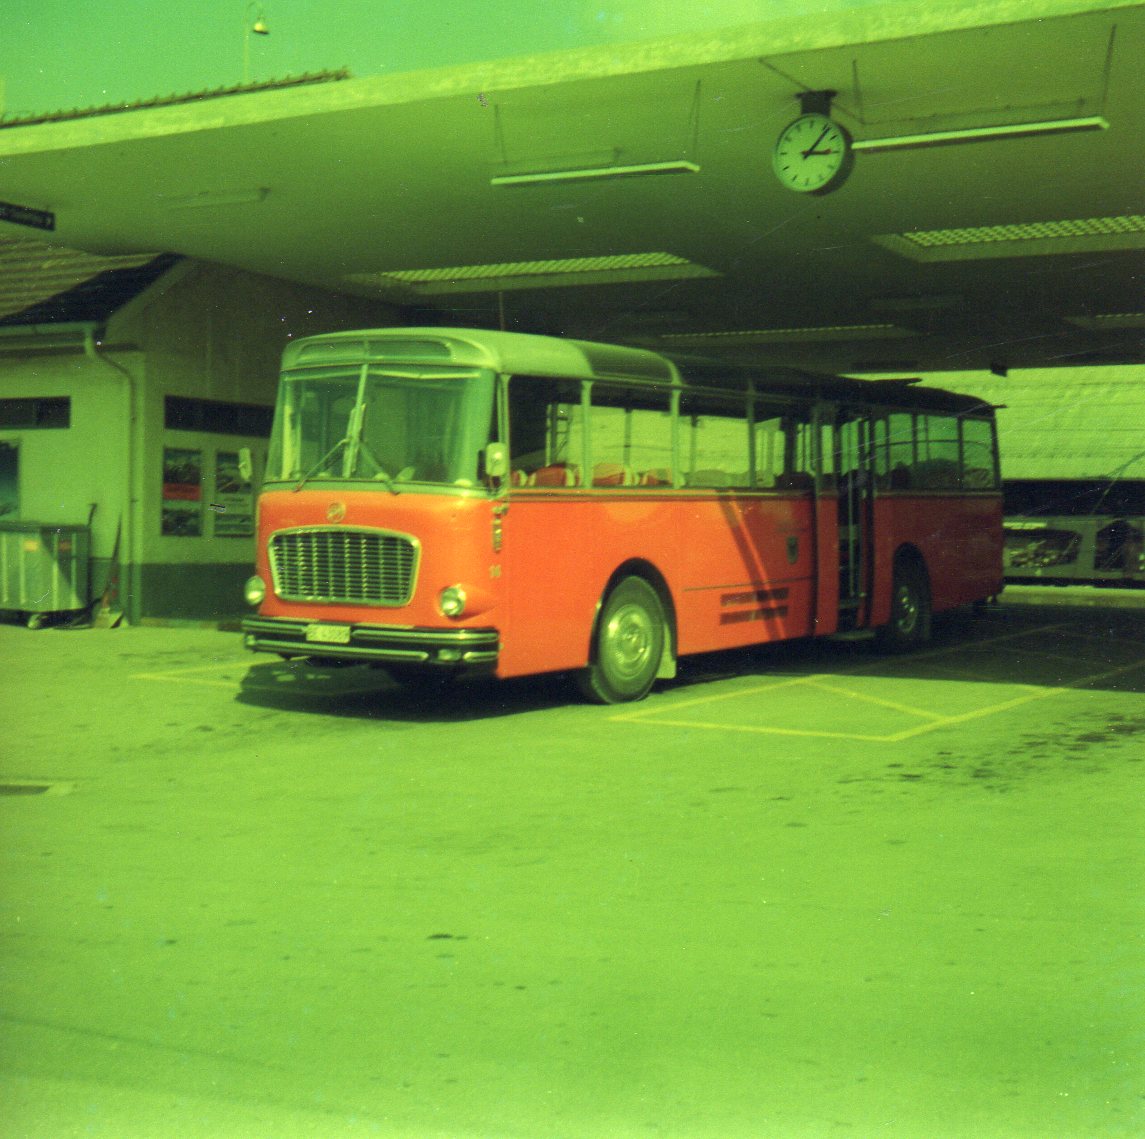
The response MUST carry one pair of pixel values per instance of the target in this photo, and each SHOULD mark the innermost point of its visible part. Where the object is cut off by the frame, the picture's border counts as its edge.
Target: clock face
(812, 155)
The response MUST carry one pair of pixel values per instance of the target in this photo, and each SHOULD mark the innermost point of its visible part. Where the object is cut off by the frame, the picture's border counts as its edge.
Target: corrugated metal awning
(50, 284)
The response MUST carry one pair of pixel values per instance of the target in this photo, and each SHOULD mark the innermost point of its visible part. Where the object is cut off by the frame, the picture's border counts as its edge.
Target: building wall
(210, 333)
(70, 475)
(202, 332)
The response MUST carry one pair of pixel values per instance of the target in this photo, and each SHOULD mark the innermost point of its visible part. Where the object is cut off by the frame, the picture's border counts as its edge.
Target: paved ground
(808, 891)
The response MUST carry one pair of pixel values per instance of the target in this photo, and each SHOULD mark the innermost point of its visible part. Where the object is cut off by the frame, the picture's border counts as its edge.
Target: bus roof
(517, 353)
(906, 393)
(522, 353)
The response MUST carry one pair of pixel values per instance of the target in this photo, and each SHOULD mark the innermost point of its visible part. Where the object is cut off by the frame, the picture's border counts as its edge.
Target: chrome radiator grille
(359, 567)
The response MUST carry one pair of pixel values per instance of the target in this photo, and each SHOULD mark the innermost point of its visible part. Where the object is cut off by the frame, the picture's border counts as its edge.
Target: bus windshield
(380, 424)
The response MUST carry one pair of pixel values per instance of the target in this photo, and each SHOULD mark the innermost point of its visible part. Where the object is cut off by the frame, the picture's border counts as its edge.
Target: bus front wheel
(910, 609)
(628, 645)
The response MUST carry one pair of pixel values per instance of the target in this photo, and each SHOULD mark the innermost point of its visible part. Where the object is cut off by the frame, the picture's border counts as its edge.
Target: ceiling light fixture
(1020, 239)
(616, 268)
(807, 333)
(594, 173)
(980, 134)
(1107, 320)
(206, 199)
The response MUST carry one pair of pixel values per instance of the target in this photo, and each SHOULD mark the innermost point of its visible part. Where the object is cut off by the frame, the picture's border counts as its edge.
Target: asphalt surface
(802, 891)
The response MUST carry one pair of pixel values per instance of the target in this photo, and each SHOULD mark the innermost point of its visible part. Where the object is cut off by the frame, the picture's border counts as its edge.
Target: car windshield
(377, 424)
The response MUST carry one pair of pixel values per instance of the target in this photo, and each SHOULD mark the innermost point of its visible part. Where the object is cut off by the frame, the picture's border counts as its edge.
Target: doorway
(855, 483)
(9, 479)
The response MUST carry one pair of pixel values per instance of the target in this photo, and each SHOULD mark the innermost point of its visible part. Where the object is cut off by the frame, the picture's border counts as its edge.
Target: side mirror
(246, 465)
(496, 460)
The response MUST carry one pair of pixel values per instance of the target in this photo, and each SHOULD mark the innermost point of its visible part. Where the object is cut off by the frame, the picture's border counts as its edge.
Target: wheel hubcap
(629, 641)
(907, 610)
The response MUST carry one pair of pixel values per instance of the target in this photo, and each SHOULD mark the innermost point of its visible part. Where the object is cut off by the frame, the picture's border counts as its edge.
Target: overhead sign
(25, 215)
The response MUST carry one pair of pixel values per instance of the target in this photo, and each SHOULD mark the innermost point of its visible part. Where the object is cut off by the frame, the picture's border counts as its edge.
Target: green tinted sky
(56, 54)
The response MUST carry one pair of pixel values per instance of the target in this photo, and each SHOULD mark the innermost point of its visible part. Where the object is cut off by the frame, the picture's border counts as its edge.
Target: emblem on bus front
(335, 512)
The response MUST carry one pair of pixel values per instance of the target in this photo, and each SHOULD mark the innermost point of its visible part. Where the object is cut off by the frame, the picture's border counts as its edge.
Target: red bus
(442, 500)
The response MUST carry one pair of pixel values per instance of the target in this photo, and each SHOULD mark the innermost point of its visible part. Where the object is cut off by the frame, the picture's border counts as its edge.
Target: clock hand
(812, 149)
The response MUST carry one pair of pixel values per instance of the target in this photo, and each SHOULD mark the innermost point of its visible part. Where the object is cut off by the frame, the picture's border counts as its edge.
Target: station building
(632, 193)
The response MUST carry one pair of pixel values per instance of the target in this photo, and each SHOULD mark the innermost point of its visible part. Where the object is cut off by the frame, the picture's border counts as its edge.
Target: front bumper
(383, 644)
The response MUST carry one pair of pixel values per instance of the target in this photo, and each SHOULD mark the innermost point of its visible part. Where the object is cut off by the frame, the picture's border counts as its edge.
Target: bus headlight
(255, 590)
(451, 601)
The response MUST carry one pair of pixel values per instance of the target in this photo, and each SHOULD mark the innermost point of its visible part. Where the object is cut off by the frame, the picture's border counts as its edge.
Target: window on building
(38, 412)
(182, 413)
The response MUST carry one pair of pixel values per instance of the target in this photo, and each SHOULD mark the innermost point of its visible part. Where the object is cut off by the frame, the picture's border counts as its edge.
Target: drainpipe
(126, 532)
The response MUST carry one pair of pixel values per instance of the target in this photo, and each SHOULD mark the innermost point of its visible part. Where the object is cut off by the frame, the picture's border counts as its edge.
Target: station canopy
(994, 217)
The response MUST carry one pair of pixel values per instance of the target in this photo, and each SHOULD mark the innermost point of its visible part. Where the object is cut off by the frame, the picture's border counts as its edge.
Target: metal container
(44, 568)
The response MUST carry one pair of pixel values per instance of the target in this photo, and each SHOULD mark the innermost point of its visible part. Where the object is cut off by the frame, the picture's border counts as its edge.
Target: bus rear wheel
(909, 625)
(628, 645)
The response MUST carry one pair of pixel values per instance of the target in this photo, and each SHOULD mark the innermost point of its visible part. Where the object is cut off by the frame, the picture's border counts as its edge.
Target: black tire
(910, 609)
(627, 646)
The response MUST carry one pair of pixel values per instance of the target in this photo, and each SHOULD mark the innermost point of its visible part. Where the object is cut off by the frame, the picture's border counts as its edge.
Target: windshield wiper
(343, 442)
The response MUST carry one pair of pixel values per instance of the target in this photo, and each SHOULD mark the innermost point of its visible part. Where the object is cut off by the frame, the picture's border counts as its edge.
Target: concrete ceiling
(365, 185)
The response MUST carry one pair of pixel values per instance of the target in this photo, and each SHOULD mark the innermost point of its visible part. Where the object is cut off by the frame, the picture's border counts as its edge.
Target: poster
(182, 493)
(231, 505)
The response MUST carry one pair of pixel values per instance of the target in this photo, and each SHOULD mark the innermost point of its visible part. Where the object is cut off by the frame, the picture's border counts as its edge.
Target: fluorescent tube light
(1021, 239)
(589, 174)
(209, 199)
(981, 134)
(613, 268)
(1105, 320)
(808, 333)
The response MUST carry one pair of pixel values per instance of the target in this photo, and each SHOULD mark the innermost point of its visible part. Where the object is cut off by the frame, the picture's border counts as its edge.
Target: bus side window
(631, 436)
(899, 451)
(546, 432)
(770, 446)
(714, 442)
(787, 462)
(937, 467)
(979, 471)
(802, 469)
(879, 448)
(828, 480)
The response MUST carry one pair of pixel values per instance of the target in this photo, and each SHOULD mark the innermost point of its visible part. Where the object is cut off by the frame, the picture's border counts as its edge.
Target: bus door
(852, 454)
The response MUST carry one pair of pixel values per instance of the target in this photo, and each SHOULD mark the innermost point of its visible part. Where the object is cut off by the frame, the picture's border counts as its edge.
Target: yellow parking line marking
(640, 713)
(182, 679)
(180, 674)
(954, 650)
(964, 674)
(880, 700)
(751, 729)
(645, 712)
(653, 714)
(1006, 705)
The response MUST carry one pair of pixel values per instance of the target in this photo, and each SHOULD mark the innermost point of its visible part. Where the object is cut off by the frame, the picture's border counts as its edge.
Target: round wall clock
(813, 155)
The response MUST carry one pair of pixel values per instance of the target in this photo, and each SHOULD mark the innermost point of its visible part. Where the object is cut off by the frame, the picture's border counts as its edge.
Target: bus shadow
(1005, 646)
(361, 692)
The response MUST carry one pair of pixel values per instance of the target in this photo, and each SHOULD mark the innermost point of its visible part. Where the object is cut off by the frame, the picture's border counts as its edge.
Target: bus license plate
(328, 634)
